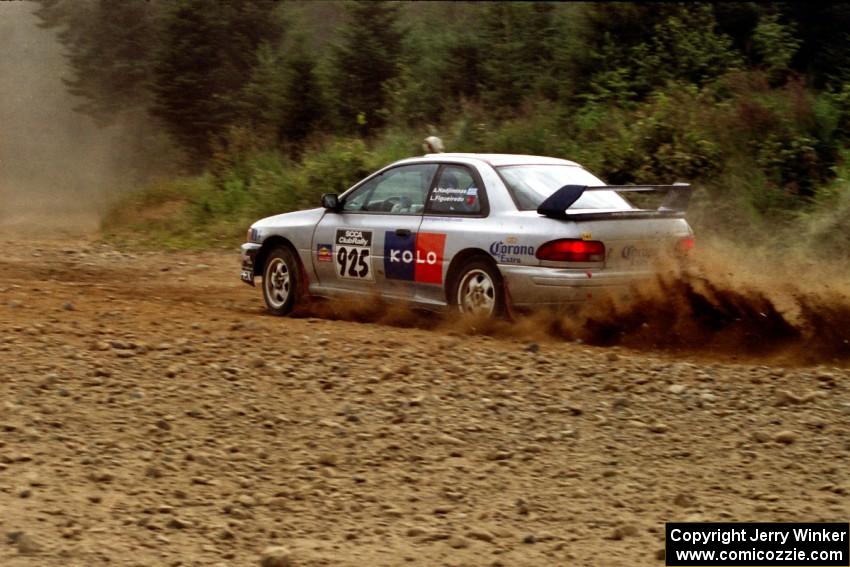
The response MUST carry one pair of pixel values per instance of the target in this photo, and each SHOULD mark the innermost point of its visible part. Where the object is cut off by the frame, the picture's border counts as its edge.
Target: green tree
(822, 28)
(628, 51)
(775, 45)
(738, 21)
(363, 65)
(303, 102)
(261, 104)
(283, 101)
(108, 47)
(687, 46)
(441, 62)
(208, 53)
(520, 45)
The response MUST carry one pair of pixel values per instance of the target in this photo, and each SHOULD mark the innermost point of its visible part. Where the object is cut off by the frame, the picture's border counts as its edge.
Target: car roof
(497, 160)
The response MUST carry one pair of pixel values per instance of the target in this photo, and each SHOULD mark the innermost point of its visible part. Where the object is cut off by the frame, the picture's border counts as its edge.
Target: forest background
(241, 109)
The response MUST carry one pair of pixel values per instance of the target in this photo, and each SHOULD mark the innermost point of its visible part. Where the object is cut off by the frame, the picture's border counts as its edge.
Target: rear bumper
(249, 252)
(535, 285)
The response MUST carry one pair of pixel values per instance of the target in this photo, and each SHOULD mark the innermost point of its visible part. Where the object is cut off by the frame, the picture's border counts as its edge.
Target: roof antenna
(433, 145)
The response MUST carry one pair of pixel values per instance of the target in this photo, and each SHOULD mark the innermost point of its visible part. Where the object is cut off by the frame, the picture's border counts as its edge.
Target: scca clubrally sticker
(353, 258)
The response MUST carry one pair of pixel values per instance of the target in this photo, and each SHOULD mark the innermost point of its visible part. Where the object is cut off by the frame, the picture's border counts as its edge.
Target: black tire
(281, 281)
(477, 289)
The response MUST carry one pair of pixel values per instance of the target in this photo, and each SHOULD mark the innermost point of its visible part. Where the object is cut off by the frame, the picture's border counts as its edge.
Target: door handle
(404, 232)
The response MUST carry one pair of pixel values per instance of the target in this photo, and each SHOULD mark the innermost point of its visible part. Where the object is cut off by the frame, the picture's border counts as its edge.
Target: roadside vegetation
(264, 106)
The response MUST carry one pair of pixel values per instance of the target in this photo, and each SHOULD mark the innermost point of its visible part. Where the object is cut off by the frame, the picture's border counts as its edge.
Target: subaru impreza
(479, 233)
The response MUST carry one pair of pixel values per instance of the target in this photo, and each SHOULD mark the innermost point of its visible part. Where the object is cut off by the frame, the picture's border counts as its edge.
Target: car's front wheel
(478, 290)
(281, 280)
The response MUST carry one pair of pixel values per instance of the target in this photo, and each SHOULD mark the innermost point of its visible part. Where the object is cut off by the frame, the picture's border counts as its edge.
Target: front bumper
(536, 285)
(249, 256)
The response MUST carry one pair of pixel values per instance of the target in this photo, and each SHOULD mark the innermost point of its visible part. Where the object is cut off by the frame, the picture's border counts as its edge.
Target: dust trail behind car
(58, 167)
(726, 304)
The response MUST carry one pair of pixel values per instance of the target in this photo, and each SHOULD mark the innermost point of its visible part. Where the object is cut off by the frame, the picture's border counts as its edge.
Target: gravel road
(153, 415)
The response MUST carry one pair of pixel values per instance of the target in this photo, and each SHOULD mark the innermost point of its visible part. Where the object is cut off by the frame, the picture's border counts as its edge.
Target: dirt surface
(153, 415)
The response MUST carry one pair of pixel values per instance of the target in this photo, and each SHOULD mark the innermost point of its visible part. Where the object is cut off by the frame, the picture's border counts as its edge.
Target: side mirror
(330, 201)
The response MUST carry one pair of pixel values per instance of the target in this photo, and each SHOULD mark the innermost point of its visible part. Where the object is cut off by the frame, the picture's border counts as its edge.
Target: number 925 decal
(353, 258)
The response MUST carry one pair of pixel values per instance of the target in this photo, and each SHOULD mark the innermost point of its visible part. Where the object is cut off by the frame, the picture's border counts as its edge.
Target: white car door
(360, 249)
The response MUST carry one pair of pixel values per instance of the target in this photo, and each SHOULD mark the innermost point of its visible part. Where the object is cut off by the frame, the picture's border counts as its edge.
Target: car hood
(296, 218)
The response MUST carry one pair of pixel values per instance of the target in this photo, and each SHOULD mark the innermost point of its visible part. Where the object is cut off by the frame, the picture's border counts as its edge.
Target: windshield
(531, 184)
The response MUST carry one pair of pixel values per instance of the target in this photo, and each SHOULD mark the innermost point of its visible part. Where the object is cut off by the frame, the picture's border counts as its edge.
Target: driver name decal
(353, 257)
(414, 257)
(451, 195)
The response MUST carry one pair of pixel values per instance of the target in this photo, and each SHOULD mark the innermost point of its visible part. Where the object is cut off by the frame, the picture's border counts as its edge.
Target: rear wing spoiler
(675, 203)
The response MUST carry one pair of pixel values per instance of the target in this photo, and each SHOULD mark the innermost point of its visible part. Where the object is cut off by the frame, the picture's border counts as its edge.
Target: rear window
(455, 193)
(531, 184)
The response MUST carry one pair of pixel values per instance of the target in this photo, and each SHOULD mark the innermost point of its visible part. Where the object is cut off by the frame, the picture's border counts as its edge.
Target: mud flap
(509, 311)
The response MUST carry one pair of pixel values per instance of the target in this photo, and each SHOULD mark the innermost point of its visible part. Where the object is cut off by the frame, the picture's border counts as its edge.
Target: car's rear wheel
(281, 280)
(478, 290)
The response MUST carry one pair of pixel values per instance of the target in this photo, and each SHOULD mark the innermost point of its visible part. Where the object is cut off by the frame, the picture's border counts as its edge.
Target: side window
(400, 191)
(456, 192)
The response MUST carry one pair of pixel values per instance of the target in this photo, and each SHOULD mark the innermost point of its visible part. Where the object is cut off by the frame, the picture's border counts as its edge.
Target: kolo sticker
(417, 257)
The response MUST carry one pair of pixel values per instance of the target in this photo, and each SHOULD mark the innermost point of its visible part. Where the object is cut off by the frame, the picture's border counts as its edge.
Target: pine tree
(824, 52)
(261, 104)
(209, 51)
(108, 45)
(364, 63)
(519, 44)
(283, 102)
(303, 105)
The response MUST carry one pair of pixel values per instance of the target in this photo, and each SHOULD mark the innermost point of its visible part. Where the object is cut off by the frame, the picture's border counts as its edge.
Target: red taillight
(572, 250)
(685, 245)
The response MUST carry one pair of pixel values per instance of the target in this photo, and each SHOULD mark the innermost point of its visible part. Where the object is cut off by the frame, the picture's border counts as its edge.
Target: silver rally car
(479, 233)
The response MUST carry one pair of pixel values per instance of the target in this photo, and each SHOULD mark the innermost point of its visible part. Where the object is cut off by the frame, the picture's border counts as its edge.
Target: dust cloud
(726, 304)
(58, 170)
